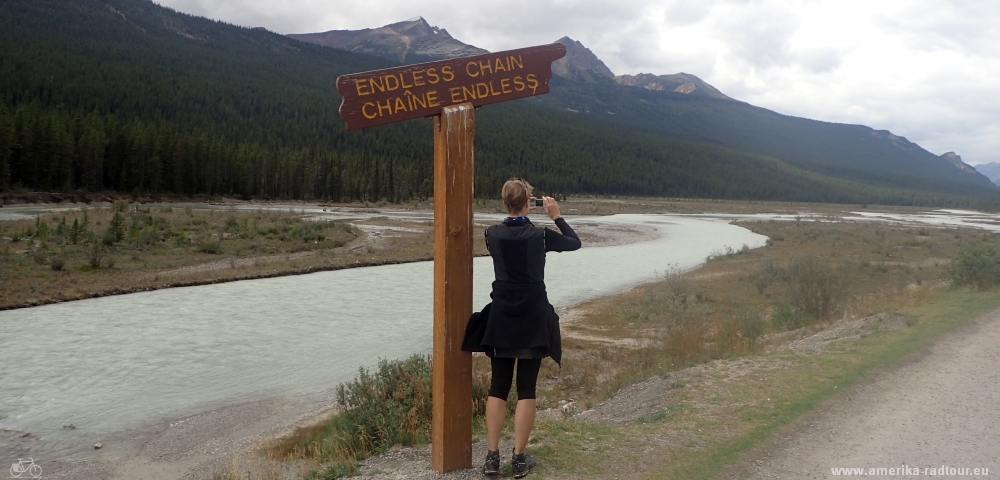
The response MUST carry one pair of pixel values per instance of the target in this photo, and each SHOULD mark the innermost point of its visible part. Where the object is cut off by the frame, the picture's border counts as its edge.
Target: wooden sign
(403, 93)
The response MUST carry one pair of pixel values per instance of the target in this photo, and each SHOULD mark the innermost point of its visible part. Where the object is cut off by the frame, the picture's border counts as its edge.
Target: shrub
(95, 254)
(38, 255)
(181, 238)
(978, 266)
(56, 263)
(685, 339)
(389, 406)
(764, 276)
(785, 318)
(815, 287)
(751, 324)
(211, 246)
(738, 332)
(310, 231)
(677, 288)
(149, 236)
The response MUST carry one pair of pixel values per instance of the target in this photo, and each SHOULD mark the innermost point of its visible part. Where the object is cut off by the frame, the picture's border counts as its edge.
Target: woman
(519, 328)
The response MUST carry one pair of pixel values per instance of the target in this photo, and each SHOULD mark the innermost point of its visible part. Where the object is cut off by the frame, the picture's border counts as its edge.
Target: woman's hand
(551, 208)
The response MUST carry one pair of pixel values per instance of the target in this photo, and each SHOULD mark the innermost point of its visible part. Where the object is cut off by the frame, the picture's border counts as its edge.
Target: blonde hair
(515, 194)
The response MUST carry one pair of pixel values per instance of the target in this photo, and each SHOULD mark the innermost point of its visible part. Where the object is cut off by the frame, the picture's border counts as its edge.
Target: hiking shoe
(522, 464)
(492, 464)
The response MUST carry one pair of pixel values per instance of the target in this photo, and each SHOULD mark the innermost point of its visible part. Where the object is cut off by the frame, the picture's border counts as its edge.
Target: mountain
(580, 64)
(409, 41)
(684, 83)
(129, 96)
(991, 170)
(683, 104)
(956, 160)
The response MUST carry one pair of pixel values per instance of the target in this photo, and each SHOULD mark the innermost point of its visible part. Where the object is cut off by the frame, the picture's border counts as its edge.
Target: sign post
(451, 427)
(449, 90)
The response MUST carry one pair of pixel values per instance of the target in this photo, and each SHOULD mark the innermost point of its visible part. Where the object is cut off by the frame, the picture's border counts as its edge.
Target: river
(114, 363)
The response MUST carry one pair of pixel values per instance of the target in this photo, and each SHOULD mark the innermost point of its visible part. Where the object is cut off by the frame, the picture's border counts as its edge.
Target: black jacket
(520, 322)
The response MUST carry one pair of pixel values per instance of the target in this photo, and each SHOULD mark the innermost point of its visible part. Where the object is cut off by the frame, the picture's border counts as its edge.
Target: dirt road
(940, 409)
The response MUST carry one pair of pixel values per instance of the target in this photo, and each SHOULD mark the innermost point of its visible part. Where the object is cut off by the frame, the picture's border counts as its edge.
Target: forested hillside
(853, 152)
(128, 96)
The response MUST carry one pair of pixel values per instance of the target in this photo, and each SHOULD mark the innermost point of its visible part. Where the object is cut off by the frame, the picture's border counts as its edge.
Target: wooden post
(451, 430)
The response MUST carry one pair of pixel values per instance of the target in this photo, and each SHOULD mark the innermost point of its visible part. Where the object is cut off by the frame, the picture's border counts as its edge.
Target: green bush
(764, 276)
(95, 255)
(149, 236)
(816, 287)
(211, 246)
(108, 238)
(388, 406)
(310, 231)
(380, 408)
(56, 264)
(38, 255)
(978, 266)
(181, 238)
(785, 318)
(752, 324)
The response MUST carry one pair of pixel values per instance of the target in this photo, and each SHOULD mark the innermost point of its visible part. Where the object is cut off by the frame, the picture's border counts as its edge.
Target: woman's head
(515, 195)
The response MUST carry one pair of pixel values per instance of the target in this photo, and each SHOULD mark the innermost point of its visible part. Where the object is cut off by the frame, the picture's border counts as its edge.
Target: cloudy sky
(928, 70)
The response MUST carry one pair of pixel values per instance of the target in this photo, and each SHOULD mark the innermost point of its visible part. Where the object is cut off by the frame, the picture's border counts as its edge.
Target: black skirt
(519, 323)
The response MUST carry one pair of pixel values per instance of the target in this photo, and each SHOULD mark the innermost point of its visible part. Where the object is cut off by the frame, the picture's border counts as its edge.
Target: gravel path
(939, 409)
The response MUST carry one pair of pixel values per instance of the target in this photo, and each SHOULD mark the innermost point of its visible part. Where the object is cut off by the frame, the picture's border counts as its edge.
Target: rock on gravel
(634, 401)
(850, 329)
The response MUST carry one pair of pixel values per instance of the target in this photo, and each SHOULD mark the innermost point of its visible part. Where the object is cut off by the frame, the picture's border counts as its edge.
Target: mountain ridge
(408, 41)
(664, 102)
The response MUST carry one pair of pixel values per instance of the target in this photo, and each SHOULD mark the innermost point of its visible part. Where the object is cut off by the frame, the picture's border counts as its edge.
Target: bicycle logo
(17, 470)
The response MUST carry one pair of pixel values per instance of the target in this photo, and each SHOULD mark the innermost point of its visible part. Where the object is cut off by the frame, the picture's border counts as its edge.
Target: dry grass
(721, 311)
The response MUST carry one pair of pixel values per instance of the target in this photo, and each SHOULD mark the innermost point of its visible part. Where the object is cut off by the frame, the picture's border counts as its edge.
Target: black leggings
(503, 376)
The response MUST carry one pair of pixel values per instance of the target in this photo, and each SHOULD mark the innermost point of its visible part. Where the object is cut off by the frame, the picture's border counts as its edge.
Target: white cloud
(924, 69)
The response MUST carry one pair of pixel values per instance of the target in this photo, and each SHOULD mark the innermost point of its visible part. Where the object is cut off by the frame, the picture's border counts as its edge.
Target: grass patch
(813, 379)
